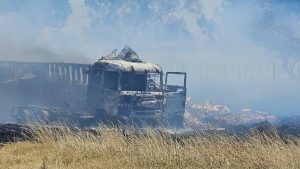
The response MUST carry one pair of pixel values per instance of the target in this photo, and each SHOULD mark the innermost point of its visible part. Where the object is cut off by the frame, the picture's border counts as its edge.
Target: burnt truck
(117, 89)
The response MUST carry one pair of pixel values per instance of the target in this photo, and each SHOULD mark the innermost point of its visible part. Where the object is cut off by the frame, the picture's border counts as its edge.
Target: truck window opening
(131, 81)
(111, 80)
(153, 84)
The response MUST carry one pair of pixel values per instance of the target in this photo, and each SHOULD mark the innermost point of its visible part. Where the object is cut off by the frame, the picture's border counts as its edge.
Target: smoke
(46, 31)
(227, 47)
(198, 28)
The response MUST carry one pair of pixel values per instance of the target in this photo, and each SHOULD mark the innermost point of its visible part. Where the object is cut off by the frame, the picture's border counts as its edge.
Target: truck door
(175, 94)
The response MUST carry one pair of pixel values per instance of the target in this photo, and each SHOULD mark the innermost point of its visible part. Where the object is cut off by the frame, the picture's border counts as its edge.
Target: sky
(238, 53)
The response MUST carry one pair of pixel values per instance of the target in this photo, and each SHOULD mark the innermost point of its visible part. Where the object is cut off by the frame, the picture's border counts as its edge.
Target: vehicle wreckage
(116, 89)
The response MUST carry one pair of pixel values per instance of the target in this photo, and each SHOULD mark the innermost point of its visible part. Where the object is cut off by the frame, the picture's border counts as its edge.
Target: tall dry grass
(64, 147)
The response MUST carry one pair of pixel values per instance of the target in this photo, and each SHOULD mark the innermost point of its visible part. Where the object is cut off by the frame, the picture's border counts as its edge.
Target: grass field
(62, 147)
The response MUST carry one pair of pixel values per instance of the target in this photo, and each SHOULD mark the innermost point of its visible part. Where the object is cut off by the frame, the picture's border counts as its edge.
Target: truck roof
(127, 61)
(128, 66)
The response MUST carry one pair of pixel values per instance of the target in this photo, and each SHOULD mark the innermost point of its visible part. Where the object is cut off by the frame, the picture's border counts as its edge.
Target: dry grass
(62, 147)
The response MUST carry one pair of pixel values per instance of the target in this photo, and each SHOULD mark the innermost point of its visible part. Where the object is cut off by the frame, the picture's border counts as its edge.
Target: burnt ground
(12, 133)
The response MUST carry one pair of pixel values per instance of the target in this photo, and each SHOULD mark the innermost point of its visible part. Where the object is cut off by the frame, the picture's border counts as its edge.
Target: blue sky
(202, 37)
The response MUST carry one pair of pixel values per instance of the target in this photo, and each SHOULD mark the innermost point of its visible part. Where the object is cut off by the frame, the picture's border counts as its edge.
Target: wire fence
(275, 73)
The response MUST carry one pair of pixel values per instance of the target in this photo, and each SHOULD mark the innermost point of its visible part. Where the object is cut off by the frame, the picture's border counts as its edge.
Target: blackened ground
(12, 133)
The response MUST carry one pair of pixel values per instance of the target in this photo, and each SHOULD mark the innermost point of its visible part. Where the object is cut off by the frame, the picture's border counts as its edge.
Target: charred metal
(117, 88)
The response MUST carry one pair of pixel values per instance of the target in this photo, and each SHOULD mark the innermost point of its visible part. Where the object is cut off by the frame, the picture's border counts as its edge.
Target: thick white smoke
(228, 47)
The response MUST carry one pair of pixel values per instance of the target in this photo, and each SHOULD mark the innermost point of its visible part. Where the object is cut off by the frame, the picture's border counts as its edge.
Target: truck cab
(126, 89)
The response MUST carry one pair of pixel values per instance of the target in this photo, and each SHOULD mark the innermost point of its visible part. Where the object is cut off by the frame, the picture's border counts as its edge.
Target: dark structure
(116, 89)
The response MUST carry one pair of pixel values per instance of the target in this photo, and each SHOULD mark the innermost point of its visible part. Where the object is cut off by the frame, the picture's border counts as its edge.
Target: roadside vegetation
(61, 146)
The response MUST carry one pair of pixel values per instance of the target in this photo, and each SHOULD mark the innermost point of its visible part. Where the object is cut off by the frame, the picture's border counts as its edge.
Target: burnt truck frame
(134, 91)
(115, 89)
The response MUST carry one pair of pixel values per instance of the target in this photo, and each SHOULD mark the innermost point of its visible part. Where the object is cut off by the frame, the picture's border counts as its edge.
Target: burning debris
(212, 116)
